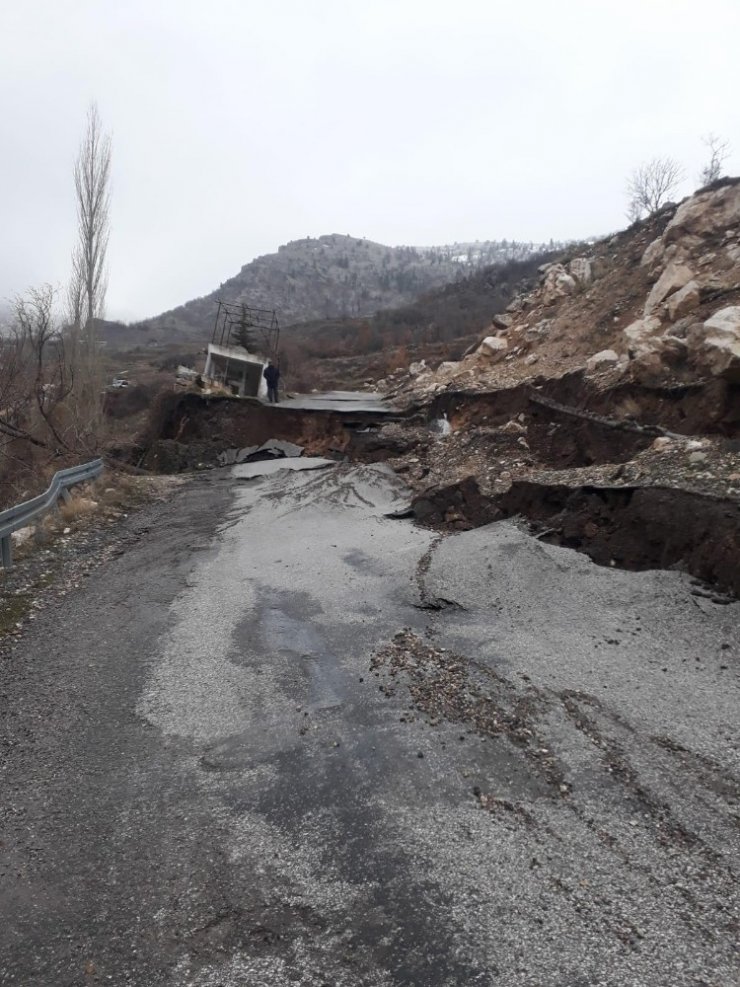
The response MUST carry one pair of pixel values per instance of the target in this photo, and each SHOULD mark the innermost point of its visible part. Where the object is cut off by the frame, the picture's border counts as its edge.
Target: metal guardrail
(20, 516)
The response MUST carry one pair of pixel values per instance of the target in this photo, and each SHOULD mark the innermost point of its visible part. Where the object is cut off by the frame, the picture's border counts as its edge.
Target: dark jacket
(271, 375)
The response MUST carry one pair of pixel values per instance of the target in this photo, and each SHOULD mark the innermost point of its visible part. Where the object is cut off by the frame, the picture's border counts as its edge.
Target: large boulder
(557, 284)
(642, 329)
(705, 214)
(685, 300)
(647, 368)
(671, 350)
(491, 349)
(673, 278)
(653, 254)
(502, 320)
(653, 357)
(714, 345)
(580, 269)
(602, 360)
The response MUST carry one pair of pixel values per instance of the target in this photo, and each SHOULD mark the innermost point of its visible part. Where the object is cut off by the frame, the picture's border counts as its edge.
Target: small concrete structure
(234, 367)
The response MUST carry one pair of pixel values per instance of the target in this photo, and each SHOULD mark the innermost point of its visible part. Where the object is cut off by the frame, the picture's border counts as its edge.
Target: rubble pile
(658, 301)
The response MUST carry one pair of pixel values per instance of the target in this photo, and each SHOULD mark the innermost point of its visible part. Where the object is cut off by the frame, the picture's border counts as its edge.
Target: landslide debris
(603, 405)
(449, 687)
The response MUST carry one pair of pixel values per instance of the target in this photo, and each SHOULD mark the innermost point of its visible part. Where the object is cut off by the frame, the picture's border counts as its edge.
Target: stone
(531, 359)
(602, 359)
(674, 277)
(641, 329)
(714, 345)
(680, 328)
(491, 349)
(557, 284)
(513, 428)
(417, 368)
(502, 320)
(535, 332)
(705, 213)
(671, 350)
(653, 255)
(697, 458)
(449, 366)
(647, 368)
(662, 443)
(725, 320)
(684, 300)
(580, 269)
(599, 267)
(22, 535)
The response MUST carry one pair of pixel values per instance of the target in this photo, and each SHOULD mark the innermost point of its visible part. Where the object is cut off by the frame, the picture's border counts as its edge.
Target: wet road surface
(349, 401)
(286, 739)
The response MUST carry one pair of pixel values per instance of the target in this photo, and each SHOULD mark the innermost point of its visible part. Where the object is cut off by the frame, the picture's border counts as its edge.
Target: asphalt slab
(285, 738)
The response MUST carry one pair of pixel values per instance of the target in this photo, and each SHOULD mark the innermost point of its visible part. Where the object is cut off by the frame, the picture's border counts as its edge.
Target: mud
(704, 407)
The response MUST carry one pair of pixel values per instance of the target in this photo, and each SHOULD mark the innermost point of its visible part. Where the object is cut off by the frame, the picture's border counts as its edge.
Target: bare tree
(92, 177)
(719, 151)
(650, 185)
(634, 211)
(35, 377)
(87, 287)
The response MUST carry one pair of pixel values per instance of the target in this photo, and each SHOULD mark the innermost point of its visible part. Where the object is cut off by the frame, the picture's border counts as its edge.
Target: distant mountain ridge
(329, 277)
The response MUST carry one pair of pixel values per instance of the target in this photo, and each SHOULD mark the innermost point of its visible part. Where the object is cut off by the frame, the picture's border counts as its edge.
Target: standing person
(272, 376)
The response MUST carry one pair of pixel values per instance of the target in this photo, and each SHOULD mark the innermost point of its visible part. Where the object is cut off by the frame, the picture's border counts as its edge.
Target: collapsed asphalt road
(286, 739)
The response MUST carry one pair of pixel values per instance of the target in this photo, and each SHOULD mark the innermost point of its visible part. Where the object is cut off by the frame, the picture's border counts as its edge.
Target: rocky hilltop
(655, 304)
(332, 276)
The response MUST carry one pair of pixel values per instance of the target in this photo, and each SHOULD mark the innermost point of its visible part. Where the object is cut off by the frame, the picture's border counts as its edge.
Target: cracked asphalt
(286, 739)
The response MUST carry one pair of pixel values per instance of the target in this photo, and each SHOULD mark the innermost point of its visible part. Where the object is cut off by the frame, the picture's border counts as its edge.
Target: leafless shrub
(650, 185)
(719, 151)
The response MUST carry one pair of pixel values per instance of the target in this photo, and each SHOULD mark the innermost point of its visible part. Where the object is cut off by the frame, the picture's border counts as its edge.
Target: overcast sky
(241, 124)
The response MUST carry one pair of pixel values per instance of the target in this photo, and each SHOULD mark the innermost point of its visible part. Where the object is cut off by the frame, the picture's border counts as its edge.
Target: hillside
(436, 326)
(326, 278)
(656, 304)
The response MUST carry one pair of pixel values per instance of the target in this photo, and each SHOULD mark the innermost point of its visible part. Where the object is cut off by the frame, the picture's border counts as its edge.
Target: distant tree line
(438, 320)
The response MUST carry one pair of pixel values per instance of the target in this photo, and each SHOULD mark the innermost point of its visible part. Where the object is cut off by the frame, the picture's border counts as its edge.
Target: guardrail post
(6, 551)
